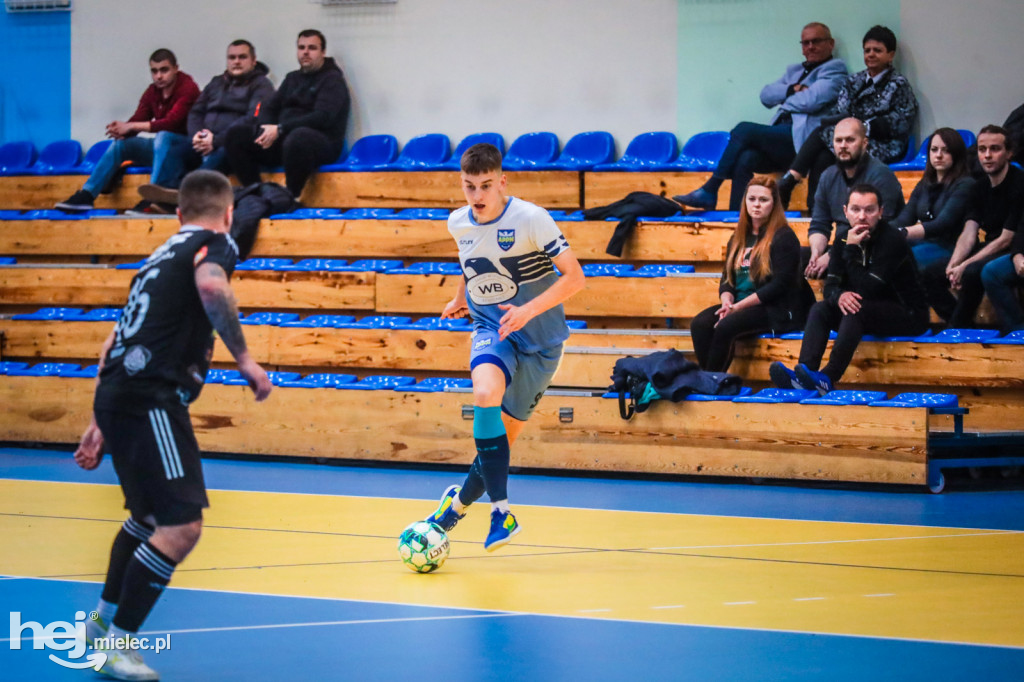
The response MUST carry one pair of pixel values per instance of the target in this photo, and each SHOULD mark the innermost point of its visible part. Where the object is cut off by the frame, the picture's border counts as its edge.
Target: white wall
(416, 66)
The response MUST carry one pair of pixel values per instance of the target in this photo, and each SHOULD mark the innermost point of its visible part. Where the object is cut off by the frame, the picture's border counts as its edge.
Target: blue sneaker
(445, 514)
(810, 379)
(782, 376)
(503, 527)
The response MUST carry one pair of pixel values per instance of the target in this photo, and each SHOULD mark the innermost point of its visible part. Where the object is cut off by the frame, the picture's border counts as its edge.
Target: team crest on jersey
(136, 359)
(506, 238)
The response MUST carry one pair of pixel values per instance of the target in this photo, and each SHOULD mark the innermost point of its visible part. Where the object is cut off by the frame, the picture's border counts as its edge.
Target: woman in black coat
(763, 288)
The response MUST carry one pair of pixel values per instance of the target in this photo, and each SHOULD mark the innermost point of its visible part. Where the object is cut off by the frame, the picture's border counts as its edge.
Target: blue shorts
(527, 375)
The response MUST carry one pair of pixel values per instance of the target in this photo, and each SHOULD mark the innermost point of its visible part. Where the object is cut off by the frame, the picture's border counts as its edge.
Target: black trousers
(301, 151)
(714, 345)
(813, 158)
(959, 310)
(882, 318)
(753, 148)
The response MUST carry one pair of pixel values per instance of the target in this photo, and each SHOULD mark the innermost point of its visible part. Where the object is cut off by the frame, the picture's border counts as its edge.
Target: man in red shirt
(163, 107)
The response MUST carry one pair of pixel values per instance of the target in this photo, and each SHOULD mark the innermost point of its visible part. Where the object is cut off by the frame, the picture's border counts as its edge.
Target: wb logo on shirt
(506, 238)
(491, 288)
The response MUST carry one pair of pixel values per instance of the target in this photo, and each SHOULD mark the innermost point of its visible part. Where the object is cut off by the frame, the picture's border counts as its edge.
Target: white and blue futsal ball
(423, 546)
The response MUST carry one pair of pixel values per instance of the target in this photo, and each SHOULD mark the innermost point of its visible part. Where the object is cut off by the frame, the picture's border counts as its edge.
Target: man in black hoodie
(233, 98)
(303, 125)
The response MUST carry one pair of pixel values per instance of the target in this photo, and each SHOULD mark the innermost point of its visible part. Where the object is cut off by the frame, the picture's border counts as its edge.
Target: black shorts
(156, 458)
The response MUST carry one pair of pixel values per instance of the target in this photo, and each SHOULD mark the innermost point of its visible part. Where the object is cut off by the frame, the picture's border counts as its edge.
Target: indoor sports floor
(296, 577)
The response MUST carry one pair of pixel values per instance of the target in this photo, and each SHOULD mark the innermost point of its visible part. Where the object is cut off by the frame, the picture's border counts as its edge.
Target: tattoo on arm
(219, 303)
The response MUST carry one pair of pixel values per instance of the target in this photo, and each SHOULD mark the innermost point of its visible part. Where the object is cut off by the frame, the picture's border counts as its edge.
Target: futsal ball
(423, 546)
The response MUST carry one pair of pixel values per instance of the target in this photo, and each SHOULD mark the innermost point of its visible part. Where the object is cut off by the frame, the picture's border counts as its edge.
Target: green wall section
(729, 49)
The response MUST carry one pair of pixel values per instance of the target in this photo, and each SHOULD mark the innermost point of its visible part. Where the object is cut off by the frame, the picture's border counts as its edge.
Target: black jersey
(163, 340)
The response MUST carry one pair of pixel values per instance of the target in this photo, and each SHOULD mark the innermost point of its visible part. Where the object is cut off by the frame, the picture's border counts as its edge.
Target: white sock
(457, 504)
(500, 505)
(106, 611)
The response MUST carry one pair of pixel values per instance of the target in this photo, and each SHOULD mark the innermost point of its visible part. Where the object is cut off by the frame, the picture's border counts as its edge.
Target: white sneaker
(95, 629)
(127, 665)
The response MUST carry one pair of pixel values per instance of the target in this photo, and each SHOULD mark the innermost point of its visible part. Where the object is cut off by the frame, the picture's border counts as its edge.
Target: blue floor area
(1003, 510)
(320, 639)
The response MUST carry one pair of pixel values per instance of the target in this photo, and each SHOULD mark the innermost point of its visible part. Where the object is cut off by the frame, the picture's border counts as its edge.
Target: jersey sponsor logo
(482, 343)
(200, 255)
(506, 239)
(467, 242)
(136, 359)
(491, 288)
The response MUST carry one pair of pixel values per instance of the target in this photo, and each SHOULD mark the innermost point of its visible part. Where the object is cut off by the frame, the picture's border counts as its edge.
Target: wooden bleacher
(849, 443)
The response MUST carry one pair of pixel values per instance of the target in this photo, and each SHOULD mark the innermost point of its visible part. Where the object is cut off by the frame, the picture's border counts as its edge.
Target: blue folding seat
(606, 269)
(51, 314)
(429, 323)
(646, 151)
(700, 153)
(652, 270)
(583, 151)
(377, 322)
(45, 369)
(969, 138)
(777, 395)
(423, 153)
(1015, 338)
(275, 378)
(369, 153)
(916, 162)
(437, 385)
(218, 376)
(337, 163)
(363, 214)
(328, 264)
(846, 398)
(52, 214)
(960, 336)
(378, 383)
(320, 380)
(576, 324)
(92, 157)
(86, 372)
(320, 321)
(269, 319)
(100, 212)
(136, 265)
(531, 151)
(101, 315)
(17, 157)
(374, 265)
(428, 268)
(266, 264)
(919, 400)
(455, 162)
(306, 214)
(8, 366)
(418, 214)
(8, 214)
(58, 158)
(707, 398)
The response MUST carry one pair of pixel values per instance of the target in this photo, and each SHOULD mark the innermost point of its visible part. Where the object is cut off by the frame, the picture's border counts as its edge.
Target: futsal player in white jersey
(508, 249)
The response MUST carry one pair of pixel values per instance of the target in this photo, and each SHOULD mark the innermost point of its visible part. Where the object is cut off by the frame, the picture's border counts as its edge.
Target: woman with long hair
(762, 288)
(934, 216)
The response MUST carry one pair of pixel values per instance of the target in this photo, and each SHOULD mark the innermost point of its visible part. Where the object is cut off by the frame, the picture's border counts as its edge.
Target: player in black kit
(152, 367)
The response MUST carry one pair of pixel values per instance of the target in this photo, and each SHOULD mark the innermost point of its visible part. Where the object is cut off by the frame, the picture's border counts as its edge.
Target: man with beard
(853, 167)
(301, 127)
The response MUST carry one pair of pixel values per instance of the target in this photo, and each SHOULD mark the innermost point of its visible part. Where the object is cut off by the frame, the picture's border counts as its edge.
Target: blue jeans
(926, 253)
(173, 156)
(754, 148)
(1001, 284)
(138, 150)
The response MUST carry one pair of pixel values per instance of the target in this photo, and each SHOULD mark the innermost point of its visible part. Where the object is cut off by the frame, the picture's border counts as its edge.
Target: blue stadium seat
(7, 260)
(100, 212)
(266, 264)
(377, 322)
(919, 400)
(45, 369)
(429, 323)
(369, 153)
(321, 321)
(17, 157)
(52, 214)
(576, 324)
(51, 314)
(583, 151)
(375, 265)
(8, 366)
(219, 376)
(437, 385)
(846, 398)
(646, 151)
(336, 165)
(777, 395)
(606, 269)
(659, 270)
(101, 315)
(378, 383)
(426, 152)
(320, 380)
(58, 158)
(1015, 338)
(960, 336)
(86, 372)
(133, 266)
(700, 153)
(363, 214)
(969, 138)
(418, 214)
(428, 268)
(306, 214)
(705, 397)
(916, 162)
(92, 157)
(328, 264)
(8, 214)
(476, 138)
(276, 378)
(270, 319)
(531, 152)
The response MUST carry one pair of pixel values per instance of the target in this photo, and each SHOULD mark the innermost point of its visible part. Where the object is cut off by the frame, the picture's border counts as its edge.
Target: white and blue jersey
(508, 260)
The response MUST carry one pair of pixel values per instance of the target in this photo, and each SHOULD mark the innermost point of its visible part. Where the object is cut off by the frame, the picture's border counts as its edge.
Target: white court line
(886, 594)
(838, 542)
(737, 603)
(809, 599)
(274, 626)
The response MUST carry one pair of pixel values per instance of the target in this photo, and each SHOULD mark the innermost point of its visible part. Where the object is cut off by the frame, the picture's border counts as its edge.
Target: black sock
(494, 459)
(145, 578)
(473, 487)
(132, 534)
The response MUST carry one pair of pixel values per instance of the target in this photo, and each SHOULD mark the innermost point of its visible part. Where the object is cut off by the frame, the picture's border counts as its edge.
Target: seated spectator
(762, 288)
(229, 99)
(802, 94)
(302, 126)
(935, 214)
(164, 106)
(853, 166)
(994, 217)
(872, 288)
(878, 96)
(1003, 279)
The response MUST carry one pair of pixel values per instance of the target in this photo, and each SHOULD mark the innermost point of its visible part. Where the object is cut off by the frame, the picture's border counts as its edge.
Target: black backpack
(252, 204)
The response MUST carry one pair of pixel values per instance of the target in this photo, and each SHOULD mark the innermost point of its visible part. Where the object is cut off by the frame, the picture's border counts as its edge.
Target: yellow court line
(908, 582)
